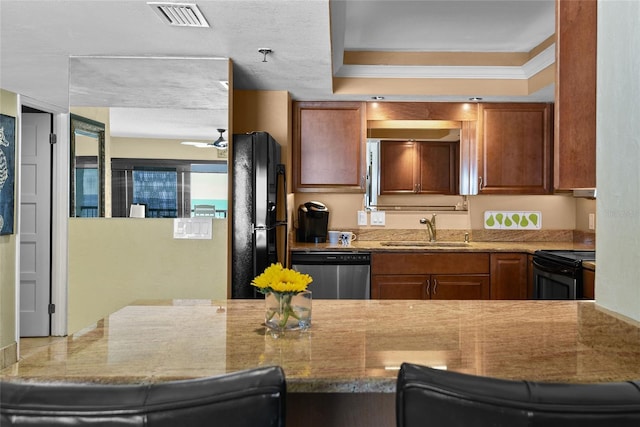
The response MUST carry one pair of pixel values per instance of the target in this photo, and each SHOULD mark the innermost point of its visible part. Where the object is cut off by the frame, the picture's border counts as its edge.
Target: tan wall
(584, 207)
(268, 111)
(8, 253)
(115, 261)
(558, 212)
(137, 259)
(149, 148)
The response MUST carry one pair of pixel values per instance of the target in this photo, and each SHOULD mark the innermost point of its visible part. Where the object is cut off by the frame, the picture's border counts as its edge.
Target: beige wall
(268, 111)
(558, 211)
(114, 261)
(8, 253)
(156, 148)
(584, 207)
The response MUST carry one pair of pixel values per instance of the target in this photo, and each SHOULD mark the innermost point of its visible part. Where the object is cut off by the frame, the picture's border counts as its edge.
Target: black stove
(557, 274)
(567, 257)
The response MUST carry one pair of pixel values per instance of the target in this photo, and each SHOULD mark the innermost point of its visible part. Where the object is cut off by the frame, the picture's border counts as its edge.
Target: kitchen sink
(426, 244)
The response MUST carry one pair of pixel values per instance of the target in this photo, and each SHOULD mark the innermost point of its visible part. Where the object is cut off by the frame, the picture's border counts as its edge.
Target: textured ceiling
(308, 39)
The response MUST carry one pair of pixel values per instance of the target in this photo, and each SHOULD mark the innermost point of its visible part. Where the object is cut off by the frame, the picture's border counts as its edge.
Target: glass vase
(287, 312)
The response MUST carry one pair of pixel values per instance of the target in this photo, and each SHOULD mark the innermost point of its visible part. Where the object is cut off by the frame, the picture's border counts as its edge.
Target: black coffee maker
(313, 220)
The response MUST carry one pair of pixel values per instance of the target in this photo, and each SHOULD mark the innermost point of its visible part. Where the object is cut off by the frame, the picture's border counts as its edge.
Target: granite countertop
(373, 245)
(353, 346)
(528, 247)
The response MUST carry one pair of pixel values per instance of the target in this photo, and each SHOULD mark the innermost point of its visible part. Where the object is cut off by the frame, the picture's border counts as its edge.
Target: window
(169, 188)
(86, 185)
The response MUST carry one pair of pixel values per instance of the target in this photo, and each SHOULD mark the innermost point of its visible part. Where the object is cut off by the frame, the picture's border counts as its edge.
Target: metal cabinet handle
(428, 286)
(435, 286)
(480, 183)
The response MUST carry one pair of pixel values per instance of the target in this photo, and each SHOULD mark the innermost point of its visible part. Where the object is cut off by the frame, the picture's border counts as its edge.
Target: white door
(35, 225)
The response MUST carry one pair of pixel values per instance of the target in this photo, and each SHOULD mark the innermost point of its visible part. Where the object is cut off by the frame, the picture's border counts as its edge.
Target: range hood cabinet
(588, 193)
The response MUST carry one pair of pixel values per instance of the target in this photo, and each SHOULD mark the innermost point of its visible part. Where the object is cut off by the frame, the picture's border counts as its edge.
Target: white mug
(334, 237)
(346, 237)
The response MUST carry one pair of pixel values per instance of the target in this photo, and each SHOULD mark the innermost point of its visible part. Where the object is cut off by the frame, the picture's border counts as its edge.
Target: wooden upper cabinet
(515, 148)
(418, 167)
(329, 146)
(575, 104)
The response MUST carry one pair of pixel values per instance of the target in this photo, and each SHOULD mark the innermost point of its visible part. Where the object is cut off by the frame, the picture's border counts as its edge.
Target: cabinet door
(329, 146)
(399, 167)
(438, 168)
(514, 142)
(399, 286)
(459, 287)
(509, 276)
(575, 106)
(419, 167)
(588, 284)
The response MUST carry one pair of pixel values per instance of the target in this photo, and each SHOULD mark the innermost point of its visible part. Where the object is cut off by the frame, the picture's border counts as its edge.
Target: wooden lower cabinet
(471, 286)
(401, 286)
(509, 276)
(452, 275)
(438, 286)
(588, 283)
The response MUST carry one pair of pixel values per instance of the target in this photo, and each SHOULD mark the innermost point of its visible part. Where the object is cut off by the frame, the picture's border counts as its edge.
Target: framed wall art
(7, 172)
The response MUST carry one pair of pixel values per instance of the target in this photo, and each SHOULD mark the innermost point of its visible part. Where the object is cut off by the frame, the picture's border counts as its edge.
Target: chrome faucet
(431, 226)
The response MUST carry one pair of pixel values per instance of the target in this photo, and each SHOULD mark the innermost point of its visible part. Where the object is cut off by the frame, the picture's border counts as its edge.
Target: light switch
(192, 228)
(362, 218)
(377, 218)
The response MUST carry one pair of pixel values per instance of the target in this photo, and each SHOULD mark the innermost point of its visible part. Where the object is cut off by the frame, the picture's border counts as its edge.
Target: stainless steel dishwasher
(337, 274)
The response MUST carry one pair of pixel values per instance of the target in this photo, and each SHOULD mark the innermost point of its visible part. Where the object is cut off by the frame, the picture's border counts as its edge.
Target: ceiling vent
(180, 14)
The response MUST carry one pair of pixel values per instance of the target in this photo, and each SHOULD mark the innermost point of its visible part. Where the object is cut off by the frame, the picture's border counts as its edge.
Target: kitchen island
(342, 371)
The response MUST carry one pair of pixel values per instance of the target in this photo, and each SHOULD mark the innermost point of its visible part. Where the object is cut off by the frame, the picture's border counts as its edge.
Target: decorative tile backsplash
(512, 220)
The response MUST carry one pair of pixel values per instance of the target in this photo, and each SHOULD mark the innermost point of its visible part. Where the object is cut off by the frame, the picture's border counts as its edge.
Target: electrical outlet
(592, 221)
(362, 218)
(377, 218)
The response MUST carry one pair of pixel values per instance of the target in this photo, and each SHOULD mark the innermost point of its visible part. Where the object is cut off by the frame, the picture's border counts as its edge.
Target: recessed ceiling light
(377, 98)
(475, 99)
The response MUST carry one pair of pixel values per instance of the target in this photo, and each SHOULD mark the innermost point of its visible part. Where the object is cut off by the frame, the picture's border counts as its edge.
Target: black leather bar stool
(431, 397)
(252, 398)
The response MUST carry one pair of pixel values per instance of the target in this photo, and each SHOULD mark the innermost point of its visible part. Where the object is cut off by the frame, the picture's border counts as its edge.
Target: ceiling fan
(220, 143)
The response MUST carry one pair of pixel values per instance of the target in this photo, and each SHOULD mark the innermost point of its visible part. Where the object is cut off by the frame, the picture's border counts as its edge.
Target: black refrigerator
(259, 198)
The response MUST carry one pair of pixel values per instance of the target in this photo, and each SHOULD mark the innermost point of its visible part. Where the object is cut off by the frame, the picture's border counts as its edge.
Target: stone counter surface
(353, 346)
(375, 246)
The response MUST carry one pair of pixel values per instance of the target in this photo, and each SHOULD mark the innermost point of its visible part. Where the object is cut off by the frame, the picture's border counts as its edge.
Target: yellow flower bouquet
(288, 303)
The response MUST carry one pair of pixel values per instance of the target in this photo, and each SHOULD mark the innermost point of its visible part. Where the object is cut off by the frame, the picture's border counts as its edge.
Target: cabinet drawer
(430, 263)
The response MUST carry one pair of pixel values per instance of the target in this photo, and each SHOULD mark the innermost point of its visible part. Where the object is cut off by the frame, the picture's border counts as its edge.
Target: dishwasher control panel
(335, 257)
